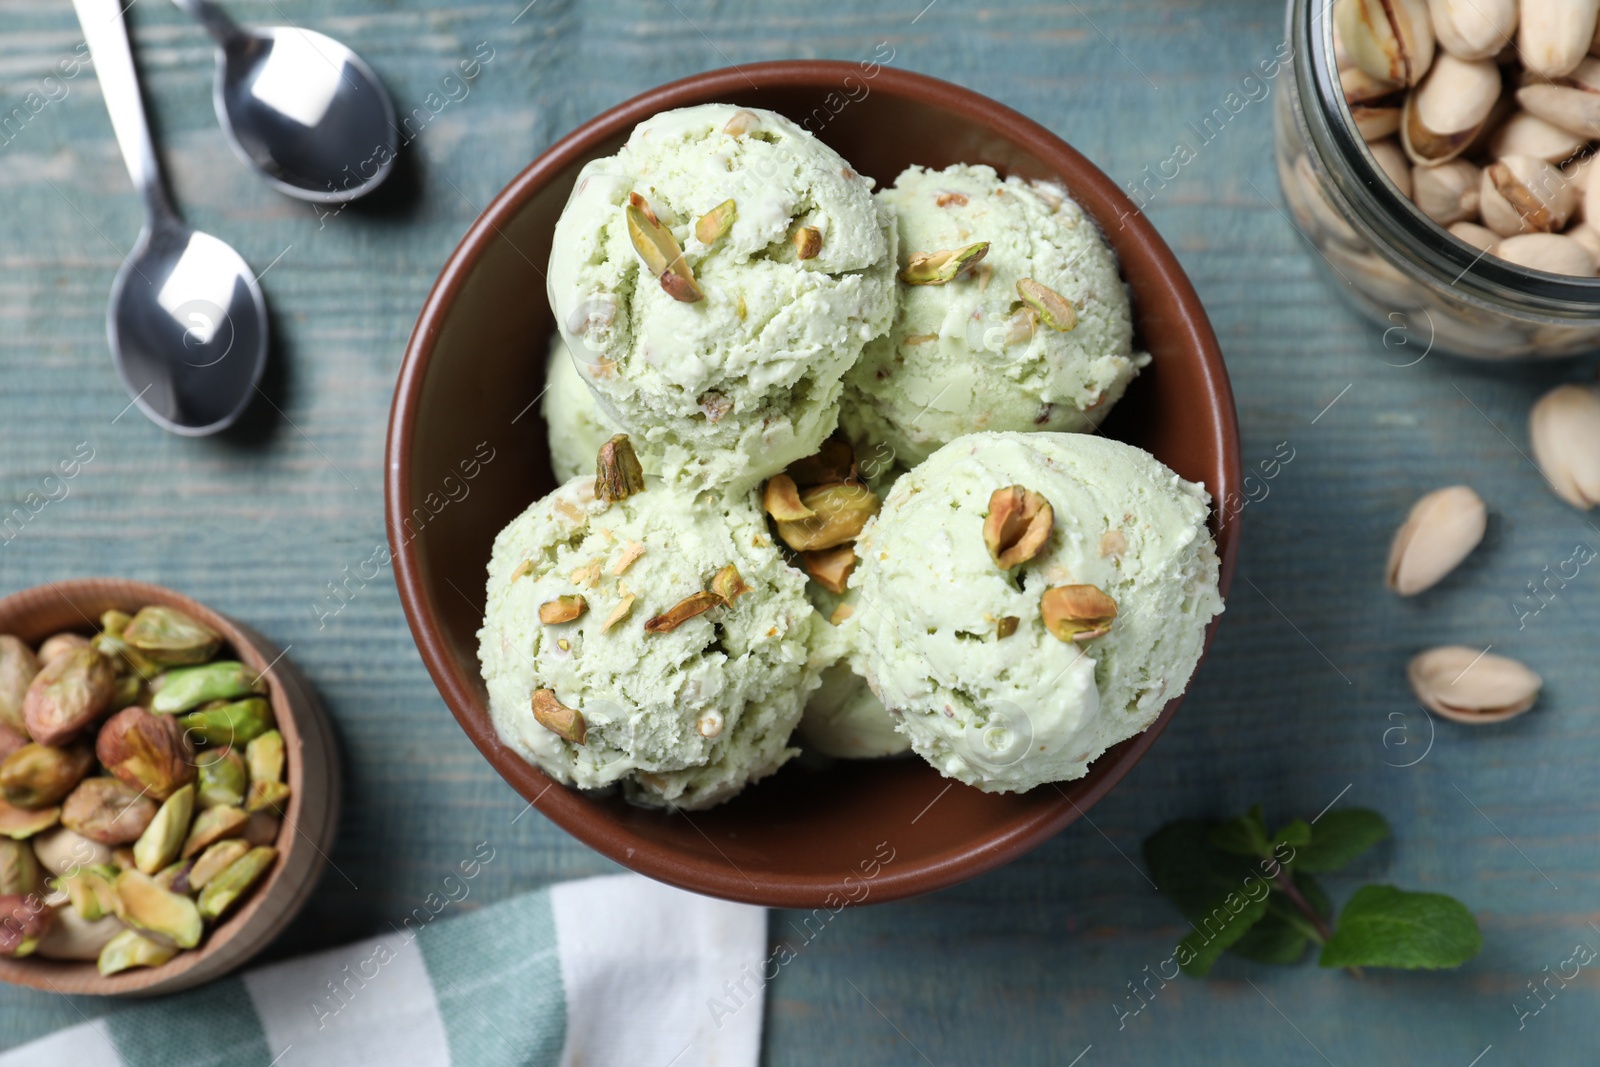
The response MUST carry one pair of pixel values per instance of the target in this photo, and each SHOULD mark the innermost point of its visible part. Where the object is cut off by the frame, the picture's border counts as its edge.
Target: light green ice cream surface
(739, 384)
(844, 718)
(1010, 714)
(684, 718)
(947, 368)
(575, 426)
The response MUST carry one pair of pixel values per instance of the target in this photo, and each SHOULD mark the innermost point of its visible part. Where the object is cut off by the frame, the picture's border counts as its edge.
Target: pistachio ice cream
(1019, 634)
(659, 641)
(1011, 316)
(715, 279)
(844, 718)
(575, 425)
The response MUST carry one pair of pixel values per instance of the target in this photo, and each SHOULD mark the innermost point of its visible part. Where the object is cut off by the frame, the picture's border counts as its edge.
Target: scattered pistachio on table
(129, 867)
(1440, 531)
(1472, 685)
(1482, 112)
(1564, 428)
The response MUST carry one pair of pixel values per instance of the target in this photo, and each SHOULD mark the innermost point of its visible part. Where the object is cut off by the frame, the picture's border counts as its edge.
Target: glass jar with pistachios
(1437, 154)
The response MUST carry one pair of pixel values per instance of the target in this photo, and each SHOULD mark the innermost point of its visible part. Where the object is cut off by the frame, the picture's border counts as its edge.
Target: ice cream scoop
(1007, 677)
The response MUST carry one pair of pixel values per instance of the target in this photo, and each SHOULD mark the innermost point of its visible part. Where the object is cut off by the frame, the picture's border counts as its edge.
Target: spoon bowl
(189, 326)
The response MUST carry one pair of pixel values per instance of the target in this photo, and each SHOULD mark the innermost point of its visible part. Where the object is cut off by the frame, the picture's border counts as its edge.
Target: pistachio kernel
(840, 511)
(807, 242)
(1006, 627)
(1055, 310)
(562, 609)
(1018, 525)
(618, 474)
(729, 585)
(831, 567)
(566, 723)
(781, 499)
(618, 613)
(741, 123)
(714, 224)
(937, 268)
(661, 253)
(1077, 612)
(681, 612)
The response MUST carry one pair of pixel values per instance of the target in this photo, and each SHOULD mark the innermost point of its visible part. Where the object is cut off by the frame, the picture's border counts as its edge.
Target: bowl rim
(562, 806)
(301, 729)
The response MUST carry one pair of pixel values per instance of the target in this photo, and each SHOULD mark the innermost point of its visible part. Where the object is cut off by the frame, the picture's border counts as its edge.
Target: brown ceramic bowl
(467, 453)
(312, 773)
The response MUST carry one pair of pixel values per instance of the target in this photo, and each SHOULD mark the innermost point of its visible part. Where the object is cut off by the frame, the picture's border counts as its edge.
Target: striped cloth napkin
(606, 971)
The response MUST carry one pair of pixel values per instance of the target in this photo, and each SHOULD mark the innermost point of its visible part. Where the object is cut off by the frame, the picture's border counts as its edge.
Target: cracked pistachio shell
(1526, 134)
(132, 949)
(1470, 685)
(1445, 112)
(1523, 194)
(1391, 40)
(1473, 29)
(143, 904)
(18, 666)
(1564, 428)
(108, 810)
(1441, 530)
(1552, 252)
(1394, 163)
(1571, 102)
(225, 890)
(149, 752)
(163, 839)
(1556, 34)
(68, 695)
(184, 688)
(72, 937)
(1480, 237)
(39, 776)
(1448, 193)
(223, 779)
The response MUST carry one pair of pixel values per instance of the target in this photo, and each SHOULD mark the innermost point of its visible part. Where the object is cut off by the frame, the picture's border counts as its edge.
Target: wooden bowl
(467, 452)
(312, 771)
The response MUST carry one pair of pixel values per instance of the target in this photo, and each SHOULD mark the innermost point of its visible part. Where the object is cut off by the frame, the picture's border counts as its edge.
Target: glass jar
(1396, 265)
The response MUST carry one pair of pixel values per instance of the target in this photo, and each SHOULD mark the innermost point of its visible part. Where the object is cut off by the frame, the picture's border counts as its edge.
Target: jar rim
(1389, 220)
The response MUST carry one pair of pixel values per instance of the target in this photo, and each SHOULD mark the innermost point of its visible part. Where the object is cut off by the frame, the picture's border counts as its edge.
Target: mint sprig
(1252, 892)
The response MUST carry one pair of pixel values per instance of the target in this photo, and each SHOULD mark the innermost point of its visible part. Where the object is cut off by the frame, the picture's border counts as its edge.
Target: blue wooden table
(1302, 703)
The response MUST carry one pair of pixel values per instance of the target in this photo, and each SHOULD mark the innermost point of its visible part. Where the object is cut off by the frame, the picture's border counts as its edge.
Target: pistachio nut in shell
(1471, 685)
(64, 851)
(1587, 236)
(227, 888)
(171, 637)
(1570, 102)
(108, 810)
(72, 937)
(1564, 429)
(839, 513)
(1018, 525)
(149, 752)
(132, 949)
(1445, 112)
(57, 645)
(162, 840)
(1526, 134)
(24, 919)
(944, 265)
(1392, 40)
(1555, 34)
(1553, 253)
(1393, 162)
(1522, 194)
(1440, 531)
(1448, 193)
(1473, 29)
(159, 913)
(183, 688)
(18, 666)
(38, 776)
(68, 695)
(1480, 237)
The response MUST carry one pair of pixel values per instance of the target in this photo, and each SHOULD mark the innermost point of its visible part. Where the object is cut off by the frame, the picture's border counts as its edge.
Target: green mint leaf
(1275, 939)
(1383, 926)
(1339, 837)
(1220, 894)
(1296, 834)
(1219, 930)
(1243, 836)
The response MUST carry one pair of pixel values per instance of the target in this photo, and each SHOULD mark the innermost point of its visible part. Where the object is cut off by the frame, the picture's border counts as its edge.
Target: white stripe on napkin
(86, 1043)
(634, 950)
(370, 1003)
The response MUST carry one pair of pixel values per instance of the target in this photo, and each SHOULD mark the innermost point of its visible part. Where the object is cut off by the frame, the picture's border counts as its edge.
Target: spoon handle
(222, 29)
(107, 36)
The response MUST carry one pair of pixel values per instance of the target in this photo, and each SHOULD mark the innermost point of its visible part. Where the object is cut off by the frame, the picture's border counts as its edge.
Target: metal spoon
(301, 108)
(187, 323)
